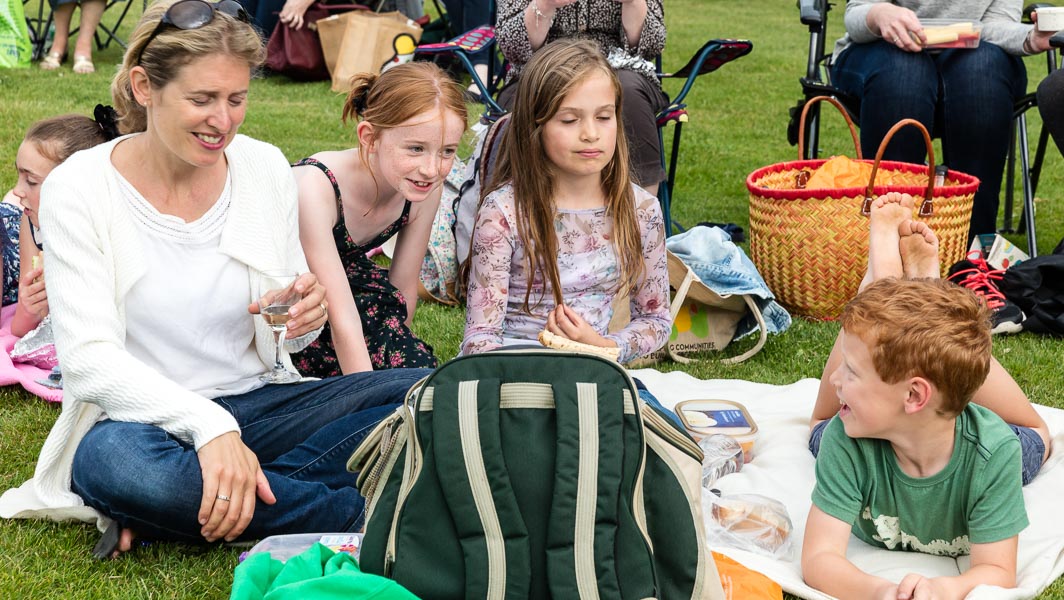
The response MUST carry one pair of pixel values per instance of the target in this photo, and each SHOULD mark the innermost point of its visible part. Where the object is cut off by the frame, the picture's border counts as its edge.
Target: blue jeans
(303, 434)
(1032, 448)
(965, 95)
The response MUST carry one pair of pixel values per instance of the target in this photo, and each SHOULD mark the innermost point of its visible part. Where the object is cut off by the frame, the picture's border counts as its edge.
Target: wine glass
(277, 293)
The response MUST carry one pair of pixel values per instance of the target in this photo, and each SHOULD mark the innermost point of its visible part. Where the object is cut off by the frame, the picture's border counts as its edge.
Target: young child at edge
(562, 230)
(47, 144)
(910, 462)
(410, 122)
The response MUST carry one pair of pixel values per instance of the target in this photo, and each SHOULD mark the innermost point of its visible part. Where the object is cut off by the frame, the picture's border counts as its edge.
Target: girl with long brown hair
(563, 231)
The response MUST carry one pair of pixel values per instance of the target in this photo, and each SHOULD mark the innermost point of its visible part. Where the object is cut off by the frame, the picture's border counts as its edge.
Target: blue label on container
(727, 418)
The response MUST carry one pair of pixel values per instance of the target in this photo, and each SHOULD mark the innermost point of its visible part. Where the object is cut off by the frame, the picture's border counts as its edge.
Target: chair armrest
(812, 12)
(710, 57)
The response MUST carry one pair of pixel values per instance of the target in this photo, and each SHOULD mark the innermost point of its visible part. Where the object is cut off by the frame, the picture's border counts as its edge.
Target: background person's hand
(293, 11)
(232, 479)
(31, 293)
(897, 25)
(567, 323)
(1039, 40)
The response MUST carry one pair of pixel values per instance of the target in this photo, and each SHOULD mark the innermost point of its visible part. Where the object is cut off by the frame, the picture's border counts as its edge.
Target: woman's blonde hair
(554, 71)
(163, 56)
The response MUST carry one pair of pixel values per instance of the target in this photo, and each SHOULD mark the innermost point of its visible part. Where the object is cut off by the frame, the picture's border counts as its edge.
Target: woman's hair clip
(107, 119)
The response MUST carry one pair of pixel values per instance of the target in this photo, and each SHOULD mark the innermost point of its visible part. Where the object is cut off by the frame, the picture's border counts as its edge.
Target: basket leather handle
(845, 115)
(927, 207)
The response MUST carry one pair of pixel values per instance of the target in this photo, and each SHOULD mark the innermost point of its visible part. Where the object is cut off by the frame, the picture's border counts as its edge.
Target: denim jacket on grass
(726, 269)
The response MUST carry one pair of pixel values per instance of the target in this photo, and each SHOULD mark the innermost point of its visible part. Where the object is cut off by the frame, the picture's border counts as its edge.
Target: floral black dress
(381, 306)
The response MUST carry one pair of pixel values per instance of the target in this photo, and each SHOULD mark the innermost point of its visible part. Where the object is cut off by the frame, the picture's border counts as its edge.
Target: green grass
(738, 123)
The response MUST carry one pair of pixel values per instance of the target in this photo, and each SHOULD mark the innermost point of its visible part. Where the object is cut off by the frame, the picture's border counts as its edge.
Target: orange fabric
(740, 583)
(840, 172)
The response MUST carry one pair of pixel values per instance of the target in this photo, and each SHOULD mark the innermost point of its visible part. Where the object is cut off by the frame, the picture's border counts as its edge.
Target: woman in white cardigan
(157, 241)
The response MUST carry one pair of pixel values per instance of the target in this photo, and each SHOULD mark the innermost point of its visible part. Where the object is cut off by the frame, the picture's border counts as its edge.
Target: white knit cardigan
(93, 258)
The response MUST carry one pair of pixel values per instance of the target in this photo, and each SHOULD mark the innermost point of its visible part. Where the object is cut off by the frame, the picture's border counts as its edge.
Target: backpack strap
(476, 485)
(589, 456)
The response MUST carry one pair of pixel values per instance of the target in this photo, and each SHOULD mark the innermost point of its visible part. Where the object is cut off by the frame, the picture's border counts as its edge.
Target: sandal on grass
(83, 65)
(52, 61)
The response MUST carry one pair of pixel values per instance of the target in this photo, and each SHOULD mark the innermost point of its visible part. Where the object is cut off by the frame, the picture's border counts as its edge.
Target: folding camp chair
(817, 82)
(710, 57)
(106, 33)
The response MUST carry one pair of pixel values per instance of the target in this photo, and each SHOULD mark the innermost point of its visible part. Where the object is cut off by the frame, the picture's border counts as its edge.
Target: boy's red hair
(928, 328)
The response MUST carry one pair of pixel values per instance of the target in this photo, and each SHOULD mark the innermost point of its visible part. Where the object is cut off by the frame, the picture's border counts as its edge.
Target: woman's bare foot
(919, 250)
(888, 212)
(125, 542)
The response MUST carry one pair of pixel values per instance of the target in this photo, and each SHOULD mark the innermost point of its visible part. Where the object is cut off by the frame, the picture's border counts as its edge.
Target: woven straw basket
(811, 245)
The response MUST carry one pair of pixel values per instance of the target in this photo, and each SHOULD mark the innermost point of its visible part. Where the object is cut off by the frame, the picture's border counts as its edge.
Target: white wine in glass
(277, 293)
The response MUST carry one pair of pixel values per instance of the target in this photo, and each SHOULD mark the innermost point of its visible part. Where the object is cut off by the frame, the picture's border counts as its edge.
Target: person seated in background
(966, 94)
(63, 13)
(630, 32)
(159, 244)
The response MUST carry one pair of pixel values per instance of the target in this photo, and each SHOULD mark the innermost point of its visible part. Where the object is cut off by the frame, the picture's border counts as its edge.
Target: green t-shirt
(976, 499)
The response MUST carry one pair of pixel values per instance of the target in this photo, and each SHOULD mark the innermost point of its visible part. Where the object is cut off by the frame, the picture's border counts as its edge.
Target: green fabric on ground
(317, 574)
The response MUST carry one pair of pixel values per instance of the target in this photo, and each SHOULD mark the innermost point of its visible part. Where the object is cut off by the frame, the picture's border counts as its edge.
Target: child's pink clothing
(587, 267)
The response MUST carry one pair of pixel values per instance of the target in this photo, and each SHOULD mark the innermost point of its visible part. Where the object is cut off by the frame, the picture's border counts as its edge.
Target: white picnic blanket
(782, 468)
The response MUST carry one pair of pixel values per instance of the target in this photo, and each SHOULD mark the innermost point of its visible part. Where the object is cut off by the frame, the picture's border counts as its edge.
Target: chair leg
(1010, 178)
(1028, 191)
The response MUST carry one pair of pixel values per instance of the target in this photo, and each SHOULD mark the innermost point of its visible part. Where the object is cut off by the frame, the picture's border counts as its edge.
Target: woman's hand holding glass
(293, 305)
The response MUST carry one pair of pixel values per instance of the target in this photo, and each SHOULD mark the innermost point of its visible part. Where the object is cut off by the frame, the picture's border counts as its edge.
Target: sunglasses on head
(193, 14)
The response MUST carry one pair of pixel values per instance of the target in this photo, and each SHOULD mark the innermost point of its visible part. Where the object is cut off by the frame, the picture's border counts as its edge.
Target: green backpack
(533, 474)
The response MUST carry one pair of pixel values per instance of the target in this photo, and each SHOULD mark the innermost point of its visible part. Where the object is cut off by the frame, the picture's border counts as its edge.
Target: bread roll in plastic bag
(747, 522)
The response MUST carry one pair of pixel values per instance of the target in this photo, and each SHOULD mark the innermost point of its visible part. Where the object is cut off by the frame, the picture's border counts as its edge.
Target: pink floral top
(588, 270)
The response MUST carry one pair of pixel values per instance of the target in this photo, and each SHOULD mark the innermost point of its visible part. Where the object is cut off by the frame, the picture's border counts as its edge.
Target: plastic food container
(706, 417)
(283, 547)
(951, 33)
(1050, 18)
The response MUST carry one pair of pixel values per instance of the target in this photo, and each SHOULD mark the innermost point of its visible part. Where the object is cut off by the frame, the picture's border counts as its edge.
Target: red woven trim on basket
(966, 184)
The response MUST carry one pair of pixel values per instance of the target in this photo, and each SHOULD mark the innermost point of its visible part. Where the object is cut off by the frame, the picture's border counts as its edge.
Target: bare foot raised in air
(919, 250)
(888, 212)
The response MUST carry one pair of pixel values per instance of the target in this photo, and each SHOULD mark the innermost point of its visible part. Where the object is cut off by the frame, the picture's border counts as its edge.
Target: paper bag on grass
(364, 42)
(702, 319)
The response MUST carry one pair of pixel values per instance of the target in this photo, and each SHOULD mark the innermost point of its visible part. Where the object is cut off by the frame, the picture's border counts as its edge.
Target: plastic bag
(747, 522)
(15, 49)
(37, 347)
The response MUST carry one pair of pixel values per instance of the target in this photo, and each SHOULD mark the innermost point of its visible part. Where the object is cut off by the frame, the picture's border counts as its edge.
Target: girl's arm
(651, 320)
(410, 248)
(32, 297)
(490, 256)
(317, 217)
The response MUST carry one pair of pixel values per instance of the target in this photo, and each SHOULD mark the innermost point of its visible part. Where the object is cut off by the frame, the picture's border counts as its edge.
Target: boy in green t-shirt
(909, 463)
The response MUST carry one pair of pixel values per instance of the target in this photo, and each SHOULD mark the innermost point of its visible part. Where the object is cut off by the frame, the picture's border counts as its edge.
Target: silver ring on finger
(324, 310)
(223, 497)
(896, 40)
